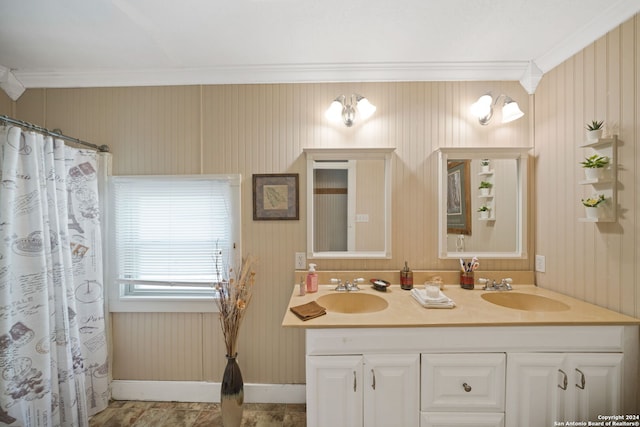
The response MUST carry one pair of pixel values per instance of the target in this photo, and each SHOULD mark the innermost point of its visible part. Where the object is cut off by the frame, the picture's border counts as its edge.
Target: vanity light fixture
(343, 108)
(483, 109)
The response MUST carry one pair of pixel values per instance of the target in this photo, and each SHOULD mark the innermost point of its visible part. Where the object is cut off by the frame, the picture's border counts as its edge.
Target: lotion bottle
(312, 279)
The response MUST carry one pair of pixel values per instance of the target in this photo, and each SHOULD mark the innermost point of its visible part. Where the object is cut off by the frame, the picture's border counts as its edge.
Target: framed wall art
(275, 197)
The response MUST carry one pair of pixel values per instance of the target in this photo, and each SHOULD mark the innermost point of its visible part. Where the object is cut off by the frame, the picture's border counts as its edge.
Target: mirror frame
(381, 153)
(521, 155)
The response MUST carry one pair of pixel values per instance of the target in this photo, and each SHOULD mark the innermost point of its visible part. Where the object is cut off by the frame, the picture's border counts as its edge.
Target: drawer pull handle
(582, 380)
(466, 387)
(564, 381)
(373, 384)
(354, 382)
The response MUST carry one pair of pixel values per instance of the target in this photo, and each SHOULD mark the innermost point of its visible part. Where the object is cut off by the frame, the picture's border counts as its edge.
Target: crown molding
(282, 73)
(611, 17)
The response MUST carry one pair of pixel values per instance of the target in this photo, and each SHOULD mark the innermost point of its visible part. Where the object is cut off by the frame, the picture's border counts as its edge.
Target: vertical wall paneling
(594, 262)
(251, 129)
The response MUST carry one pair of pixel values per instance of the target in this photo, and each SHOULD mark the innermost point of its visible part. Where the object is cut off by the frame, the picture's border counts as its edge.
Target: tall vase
(232, 394)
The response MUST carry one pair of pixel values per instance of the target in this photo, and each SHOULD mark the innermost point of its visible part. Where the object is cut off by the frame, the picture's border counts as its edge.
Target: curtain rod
(55, 133)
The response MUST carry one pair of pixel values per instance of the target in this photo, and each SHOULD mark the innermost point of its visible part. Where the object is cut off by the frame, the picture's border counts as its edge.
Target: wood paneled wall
(262, 129)
(594, 262)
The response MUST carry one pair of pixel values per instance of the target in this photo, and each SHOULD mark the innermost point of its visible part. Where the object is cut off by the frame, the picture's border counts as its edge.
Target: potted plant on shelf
(591, 205)
(484, 212)
(485, 188)
(594, 130)
(485, 165)
(594, 165)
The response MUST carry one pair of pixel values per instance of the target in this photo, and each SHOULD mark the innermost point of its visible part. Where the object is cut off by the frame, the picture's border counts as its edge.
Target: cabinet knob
(466, 387)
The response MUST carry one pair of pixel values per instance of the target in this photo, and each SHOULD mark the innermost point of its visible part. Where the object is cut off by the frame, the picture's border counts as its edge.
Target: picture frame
(276, 197)
(459, 197)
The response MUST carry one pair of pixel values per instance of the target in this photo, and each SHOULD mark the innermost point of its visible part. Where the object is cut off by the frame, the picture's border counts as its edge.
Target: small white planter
(592, 213)
(484, 214)
(594, 135)
(593, 173)
(485, 191)
(485, 168)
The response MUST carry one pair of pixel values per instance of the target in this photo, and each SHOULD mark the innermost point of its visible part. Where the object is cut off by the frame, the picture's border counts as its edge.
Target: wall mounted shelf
(608, 184)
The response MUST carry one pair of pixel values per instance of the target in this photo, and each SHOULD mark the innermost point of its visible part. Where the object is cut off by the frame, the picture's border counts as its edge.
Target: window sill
(159, 304)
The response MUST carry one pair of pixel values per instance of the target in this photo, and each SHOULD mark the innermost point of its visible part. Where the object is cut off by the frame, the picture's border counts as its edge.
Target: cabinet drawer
(461, 419)
(463, 382)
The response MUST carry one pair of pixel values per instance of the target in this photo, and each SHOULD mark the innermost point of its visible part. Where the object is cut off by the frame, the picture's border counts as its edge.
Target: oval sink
(352, 302)
(525, 302)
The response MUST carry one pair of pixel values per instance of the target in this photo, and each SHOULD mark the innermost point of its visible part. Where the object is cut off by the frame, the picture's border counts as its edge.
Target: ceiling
(80, 43)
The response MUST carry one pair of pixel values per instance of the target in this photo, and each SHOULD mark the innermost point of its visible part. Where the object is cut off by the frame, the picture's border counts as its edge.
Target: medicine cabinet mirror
(348, 202)
(482, 202)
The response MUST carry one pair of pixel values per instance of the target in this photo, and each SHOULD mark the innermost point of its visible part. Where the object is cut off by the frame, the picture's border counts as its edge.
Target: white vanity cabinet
(547, 387)
(491, 376)
(363, 390)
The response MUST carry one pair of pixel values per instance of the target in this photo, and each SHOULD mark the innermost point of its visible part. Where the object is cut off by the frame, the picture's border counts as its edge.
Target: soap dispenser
(406, 278)
(312, 279)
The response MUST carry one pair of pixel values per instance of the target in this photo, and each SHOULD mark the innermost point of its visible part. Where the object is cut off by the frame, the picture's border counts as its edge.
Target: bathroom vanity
(528, 359)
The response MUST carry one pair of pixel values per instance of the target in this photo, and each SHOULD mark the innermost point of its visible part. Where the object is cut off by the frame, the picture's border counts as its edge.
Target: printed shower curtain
(53, 347)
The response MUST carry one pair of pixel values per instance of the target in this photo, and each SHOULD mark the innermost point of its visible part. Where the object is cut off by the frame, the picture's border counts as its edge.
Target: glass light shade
(482, 107)
(511, 111)
(365, 108)
(334, 112)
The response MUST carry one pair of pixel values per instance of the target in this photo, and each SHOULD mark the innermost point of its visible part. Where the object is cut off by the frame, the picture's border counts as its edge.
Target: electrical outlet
(301, 261)
(540, 263)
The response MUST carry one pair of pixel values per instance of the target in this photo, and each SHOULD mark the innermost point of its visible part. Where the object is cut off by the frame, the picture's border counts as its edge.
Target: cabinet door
(595, 385)
(535, 382)
(391, 390)
(334, 391)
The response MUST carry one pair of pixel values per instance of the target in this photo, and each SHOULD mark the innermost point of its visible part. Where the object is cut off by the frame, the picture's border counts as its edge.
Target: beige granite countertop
(470, 310)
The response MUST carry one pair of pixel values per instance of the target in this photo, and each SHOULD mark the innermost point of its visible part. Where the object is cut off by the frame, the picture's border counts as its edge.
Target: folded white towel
(442, 301)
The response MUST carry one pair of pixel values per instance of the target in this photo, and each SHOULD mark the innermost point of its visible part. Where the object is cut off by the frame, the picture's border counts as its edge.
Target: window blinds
(169, 229)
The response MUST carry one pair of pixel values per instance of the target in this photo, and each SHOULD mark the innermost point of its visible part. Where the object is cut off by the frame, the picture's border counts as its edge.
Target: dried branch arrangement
(233, 299)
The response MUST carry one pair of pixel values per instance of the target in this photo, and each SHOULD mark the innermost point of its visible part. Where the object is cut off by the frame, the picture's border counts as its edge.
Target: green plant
(484, 162)
(593, 201)
(595, 125)
(595, 161)
(485, 184)
(483, 208)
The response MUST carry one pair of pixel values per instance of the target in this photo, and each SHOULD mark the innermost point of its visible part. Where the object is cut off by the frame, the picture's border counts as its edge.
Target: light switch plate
(540, 263)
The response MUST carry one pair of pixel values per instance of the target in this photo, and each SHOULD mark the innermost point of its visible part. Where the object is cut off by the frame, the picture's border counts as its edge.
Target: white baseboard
(197, 391)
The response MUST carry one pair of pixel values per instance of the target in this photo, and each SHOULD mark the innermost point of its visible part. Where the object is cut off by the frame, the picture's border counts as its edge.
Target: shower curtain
(53, 346)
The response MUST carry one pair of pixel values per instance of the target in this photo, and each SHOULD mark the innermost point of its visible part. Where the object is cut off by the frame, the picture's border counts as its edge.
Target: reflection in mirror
(348, 193)
(483, 202)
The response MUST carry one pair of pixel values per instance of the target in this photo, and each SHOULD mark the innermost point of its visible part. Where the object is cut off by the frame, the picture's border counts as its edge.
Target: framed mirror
(482, 209)
(348, 202)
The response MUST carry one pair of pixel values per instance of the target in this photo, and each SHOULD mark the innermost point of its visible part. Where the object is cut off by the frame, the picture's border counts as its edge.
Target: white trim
(200, 391)
(279, 73)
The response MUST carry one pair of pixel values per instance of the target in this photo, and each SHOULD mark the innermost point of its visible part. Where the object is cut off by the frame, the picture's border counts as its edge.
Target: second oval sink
(525, 302)
(352, 302)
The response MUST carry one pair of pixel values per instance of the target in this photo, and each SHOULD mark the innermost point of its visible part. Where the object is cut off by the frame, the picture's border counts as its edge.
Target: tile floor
(186, 414)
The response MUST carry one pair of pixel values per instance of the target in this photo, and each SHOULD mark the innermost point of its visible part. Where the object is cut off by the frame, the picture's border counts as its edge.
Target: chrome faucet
(341, 287)
(492, 285)
(353, 286)
(349, 286)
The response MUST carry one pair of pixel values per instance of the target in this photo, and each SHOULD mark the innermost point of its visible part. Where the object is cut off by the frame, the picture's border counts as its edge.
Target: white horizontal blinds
(167, 229)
